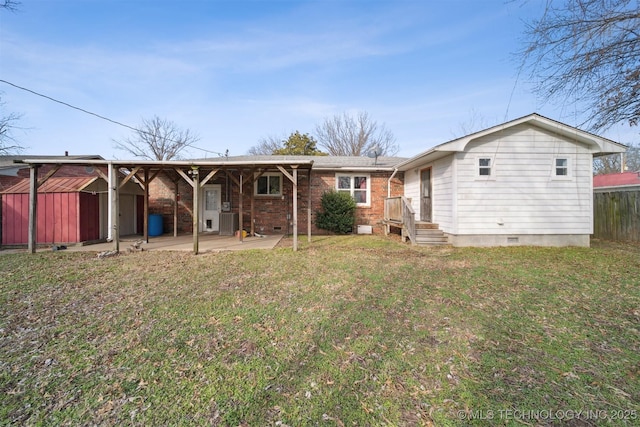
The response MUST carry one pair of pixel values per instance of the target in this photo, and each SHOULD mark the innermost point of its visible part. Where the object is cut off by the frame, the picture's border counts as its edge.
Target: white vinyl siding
(441, 191)
(524, 197)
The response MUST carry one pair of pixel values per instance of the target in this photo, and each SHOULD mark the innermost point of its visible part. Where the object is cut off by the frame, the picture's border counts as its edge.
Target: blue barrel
(155, 225)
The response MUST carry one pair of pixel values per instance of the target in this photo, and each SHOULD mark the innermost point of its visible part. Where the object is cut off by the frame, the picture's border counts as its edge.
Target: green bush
(338, 212)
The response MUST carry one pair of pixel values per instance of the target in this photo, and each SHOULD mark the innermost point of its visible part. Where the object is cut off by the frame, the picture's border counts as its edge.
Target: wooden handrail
(398, 210)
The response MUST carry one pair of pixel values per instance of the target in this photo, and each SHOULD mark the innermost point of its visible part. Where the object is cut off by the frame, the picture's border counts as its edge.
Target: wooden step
(427, 235)
(426, 226)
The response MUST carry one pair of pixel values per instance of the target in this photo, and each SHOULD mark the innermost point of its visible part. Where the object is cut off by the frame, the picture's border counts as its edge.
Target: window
(268, 184)
(562, 167)
(357, 186)
(484, 166)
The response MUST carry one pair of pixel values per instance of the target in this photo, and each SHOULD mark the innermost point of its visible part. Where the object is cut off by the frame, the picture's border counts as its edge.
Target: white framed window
(561, 167)
(268, 184)
(485, 167)
(358, 185)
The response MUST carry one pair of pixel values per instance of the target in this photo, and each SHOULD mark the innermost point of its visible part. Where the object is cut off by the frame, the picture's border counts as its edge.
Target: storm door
(210, 205)
(425, 195)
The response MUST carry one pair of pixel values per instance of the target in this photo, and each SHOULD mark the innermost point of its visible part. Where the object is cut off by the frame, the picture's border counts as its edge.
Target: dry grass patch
(354, 330)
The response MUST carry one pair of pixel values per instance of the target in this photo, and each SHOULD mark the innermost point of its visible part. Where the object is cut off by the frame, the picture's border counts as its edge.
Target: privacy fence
(616, 215)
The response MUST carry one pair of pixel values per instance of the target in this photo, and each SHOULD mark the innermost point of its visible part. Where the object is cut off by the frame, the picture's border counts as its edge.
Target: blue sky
(234, 72)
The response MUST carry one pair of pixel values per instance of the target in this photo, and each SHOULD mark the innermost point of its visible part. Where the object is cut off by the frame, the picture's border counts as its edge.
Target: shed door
(127, 215)
(425, 195)
(210, 215)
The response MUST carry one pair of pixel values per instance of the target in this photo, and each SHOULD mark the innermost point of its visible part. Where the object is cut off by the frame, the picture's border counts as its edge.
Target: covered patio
(196, 173)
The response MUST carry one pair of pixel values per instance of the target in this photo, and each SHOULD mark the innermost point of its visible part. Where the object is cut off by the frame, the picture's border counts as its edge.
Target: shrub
(338, 212)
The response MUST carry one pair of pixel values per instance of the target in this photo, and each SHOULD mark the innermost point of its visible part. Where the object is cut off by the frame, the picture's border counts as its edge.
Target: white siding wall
(442, 191)
(522, 196)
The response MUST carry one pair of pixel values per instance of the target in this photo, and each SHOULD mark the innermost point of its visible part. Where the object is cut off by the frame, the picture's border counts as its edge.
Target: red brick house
(267, 194)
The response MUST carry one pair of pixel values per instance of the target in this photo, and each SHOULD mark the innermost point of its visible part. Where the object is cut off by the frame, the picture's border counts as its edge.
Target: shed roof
(616, 179)
(54, 185)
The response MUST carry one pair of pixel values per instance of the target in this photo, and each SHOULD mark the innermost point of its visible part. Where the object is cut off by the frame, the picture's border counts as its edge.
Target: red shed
(70, 210)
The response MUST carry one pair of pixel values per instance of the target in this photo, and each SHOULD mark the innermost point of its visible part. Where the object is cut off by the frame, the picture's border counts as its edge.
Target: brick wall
(272, 214)
(67, 171)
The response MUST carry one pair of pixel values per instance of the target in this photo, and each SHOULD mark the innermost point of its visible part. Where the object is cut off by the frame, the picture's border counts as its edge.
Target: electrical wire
(66, 104)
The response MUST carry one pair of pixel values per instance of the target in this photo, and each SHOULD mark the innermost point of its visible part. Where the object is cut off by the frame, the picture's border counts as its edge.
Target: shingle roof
(54, 185)
(329, 162)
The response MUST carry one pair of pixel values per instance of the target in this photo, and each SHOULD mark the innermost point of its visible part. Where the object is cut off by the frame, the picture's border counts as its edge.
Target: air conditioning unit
(228, 223)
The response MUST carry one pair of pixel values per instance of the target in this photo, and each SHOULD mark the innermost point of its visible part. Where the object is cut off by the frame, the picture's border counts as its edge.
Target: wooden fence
(616, 215)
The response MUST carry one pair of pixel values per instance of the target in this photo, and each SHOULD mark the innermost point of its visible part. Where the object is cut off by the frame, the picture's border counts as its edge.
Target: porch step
(421, 225)
(428, 234)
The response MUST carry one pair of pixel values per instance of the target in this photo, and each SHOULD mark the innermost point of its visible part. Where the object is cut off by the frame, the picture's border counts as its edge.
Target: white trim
(351, 186)
(267, 175)
(555, 167)
(491, 168)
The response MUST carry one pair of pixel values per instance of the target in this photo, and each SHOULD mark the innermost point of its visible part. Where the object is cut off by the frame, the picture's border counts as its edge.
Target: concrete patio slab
(206, 243)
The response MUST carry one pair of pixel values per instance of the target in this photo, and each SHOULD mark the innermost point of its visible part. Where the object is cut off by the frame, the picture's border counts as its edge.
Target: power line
(66, 104)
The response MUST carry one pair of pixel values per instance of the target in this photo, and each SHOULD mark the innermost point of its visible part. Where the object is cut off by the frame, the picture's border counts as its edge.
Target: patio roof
(196, 172)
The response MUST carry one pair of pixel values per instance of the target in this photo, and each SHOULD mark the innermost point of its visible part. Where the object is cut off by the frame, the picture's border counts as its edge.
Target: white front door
(210, 208)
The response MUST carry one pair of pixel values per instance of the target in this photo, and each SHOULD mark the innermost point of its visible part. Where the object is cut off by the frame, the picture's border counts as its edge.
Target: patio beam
(185, 176)
(208, 177)
(49, 175)
(131, 174)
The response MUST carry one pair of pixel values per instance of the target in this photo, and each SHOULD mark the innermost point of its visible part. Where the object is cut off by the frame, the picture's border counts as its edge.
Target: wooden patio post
(175, 209)
(309, 209)
(115, 207)
(240, 221)
(33, 208)
(295, 209)
(196, 207)
(145, 223)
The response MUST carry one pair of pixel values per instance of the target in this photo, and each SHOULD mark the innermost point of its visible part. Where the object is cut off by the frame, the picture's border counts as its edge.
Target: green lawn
(354, 330)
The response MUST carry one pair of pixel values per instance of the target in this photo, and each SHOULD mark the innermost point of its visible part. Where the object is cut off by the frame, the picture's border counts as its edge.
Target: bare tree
(266, 146)
(475, 123)
(8, 143)
(613, 162)
(345, 135)
(157, 139)
(10, 5)
(587, 52)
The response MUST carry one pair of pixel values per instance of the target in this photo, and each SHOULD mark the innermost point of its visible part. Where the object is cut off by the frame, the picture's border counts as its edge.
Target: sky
(236, 72)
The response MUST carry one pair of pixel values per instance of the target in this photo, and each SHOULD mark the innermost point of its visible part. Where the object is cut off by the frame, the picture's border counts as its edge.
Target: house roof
(54, 185)
(352, 163)
(599, 146)
(331, 162)
(616, 180)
